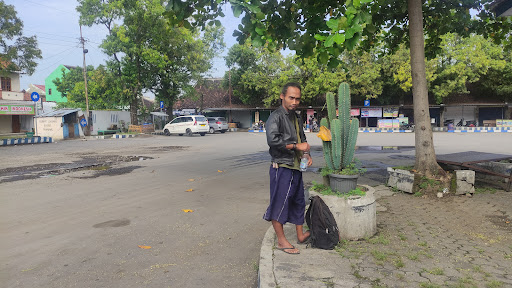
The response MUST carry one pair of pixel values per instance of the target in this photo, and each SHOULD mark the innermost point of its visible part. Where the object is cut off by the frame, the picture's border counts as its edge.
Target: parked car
(218, 124)
(191, 124)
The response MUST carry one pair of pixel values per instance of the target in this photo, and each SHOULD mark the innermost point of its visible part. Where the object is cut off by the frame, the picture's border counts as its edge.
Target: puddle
(110, 172)
(112, 223)
(501, 221)
(100, 163)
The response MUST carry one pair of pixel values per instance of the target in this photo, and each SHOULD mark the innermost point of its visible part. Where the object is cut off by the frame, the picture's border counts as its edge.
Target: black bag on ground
(322, 225)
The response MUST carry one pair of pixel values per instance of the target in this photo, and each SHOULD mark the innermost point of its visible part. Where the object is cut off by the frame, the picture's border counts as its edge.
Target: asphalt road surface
(80, 213)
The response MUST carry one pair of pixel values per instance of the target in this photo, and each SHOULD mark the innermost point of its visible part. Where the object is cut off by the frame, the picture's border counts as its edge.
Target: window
(201, 118)
(177, 120)
(6, 84)
(50, 91)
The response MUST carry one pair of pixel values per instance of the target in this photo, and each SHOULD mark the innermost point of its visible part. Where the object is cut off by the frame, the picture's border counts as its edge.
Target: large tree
(19, 53)
(102, 92)
(329, 27)
(147, 53)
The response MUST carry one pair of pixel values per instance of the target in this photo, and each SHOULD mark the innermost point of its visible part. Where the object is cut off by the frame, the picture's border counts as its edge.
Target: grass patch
(435, 271)
(381, 239)
(379, 256)
(485, 190)
(494, 284)
(402, 237)
(428, 285)
(408, 168)
(357, 275)
(418, 194)
(325, 190)
(413, 256)
(399, 263)
(423, 244)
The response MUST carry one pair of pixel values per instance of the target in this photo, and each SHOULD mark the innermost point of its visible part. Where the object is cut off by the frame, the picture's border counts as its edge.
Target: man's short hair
(290, 84)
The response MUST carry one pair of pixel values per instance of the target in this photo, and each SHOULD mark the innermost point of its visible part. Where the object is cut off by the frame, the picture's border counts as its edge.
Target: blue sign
(366, 103)
(83, 122)
(34, 96)
(161, 104)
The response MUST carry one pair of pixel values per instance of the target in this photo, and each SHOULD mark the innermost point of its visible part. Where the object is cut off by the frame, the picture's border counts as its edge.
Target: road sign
(83, 122)
(161, 104)
(34, 96)
(366, 103)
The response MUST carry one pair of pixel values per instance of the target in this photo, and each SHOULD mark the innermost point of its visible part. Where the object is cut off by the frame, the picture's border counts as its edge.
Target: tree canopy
(19, 53)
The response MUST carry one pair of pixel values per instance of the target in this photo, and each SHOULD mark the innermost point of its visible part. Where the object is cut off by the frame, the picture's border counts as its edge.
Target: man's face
(292, 98)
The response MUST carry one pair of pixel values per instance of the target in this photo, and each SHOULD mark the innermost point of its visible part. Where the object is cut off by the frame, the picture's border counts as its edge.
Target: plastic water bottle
(304, 162)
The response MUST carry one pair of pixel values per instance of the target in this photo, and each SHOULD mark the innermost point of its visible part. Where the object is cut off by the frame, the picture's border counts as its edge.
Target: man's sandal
(289, 248)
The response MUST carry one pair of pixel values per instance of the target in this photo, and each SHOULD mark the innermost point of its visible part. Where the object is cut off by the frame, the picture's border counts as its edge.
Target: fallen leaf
(191, 180)
(144, 247)
(187, 210)
(220, 171)
(507, 222)
(189, 190)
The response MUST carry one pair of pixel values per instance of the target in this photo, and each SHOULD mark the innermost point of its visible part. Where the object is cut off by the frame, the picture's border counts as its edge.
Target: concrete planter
(343, 183)
(402, 180)
(356, 216)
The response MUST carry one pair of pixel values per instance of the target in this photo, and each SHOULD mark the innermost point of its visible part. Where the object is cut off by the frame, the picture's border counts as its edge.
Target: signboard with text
(390, 112)
(371, 112)
(503, 123)
(354, 112)
(17, 110)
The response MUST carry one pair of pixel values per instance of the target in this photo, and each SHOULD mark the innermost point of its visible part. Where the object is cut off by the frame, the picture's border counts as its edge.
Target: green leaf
(330, 41)
(366, 17)
(333, 24)
(349, 33)
(357, 3)
(351, 43)
(371, 28)
(323, 57)
(339, 38)
(320, 37)
(257, 42)
(366, 1)
(217, 23)
(237, 10)
(259, 30)
(333, 63)
(351, 11)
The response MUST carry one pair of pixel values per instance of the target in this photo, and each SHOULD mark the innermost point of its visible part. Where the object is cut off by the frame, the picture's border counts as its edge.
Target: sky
(55, 23)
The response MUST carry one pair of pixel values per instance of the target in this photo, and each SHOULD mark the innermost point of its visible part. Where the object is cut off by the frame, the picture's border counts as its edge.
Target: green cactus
(326, 145)
(339, 153)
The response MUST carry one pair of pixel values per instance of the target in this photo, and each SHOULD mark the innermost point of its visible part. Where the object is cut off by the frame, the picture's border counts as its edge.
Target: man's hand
(303, 147)
(310, 160)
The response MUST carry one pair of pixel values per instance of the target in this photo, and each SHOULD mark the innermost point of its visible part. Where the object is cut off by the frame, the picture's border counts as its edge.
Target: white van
(191, 124)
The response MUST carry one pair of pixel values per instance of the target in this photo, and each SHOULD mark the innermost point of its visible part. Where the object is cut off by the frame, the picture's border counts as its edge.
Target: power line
(53, 8)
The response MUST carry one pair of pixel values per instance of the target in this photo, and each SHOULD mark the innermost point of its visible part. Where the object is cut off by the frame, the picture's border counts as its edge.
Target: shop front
(16, 116)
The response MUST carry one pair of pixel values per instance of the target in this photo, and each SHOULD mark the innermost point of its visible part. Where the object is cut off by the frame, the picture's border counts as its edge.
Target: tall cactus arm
(344, 113)
(336, 143)
(327, 146)
(331, 106)
(351, 144)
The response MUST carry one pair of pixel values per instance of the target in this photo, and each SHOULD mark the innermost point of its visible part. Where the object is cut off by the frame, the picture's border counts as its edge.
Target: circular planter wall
(343, 183)
(356, 216)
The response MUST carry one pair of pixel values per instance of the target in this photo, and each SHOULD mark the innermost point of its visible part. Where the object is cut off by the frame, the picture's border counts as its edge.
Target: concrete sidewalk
(455, 241)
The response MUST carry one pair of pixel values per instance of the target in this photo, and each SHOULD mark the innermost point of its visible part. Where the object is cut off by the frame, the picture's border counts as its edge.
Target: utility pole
(87, 131)
(230, 118)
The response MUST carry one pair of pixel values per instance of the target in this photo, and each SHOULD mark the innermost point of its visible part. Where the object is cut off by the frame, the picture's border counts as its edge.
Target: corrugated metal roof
(59, 113)
(16, 102)
(161, 114)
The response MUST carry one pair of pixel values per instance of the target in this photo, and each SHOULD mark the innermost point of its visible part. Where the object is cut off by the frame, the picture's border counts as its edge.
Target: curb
(266, 277)
(32, 140)
(116, 136)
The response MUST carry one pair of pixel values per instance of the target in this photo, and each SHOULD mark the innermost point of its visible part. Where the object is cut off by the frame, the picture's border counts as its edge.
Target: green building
(51, 90)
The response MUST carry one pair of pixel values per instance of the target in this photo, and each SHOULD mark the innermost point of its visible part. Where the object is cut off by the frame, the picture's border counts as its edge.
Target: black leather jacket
(280, 132)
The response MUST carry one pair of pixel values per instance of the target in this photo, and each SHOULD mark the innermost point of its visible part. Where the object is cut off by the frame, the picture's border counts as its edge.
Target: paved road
(66, 226)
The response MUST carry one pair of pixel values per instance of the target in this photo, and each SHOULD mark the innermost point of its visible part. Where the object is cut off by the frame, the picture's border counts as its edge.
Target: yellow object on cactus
(324, 134)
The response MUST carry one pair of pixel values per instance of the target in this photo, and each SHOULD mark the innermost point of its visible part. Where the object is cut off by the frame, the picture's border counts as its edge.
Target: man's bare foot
(304, 238)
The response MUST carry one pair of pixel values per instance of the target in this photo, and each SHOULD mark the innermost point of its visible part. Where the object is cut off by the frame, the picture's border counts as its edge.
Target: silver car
(218, 124)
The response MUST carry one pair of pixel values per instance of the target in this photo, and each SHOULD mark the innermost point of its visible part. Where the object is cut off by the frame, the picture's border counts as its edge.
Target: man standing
(287, 142)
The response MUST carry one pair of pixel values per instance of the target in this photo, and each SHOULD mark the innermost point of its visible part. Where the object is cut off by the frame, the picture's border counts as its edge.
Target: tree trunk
(426, 162)
(133, 111)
